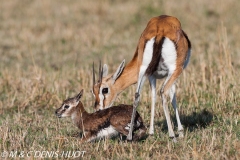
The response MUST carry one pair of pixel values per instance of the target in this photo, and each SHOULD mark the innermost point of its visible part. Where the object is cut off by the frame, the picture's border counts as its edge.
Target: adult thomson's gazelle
(163, 50)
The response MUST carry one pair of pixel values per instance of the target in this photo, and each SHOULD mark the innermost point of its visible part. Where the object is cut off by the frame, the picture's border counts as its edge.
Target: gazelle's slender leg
(169, 82)
(87, 138)
(174, 104)
(166, 113)
(152, 81)
(136, 101)
(147, 57)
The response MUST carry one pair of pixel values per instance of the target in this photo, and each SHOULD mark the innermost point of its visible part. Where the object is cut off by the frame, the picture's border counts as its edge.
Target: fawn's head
(104, 90)
(68, 106)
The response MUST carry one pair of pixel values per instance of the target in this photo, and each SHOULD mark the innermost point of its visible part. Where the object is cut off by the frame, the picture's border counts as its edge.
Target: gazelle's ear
(105, 70)
(79, 95)
(118, 71)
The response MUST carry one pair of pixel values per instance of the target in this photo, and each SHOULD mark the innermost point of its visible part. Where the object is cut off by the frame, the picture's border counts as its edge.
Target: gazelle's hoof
(129, 137)
(151, 132)
(180, 134)
(174, 139)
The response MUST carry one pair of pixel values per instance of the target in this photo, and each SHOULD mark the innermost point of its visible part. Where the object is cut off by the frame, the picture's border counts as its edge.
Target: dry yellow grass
(47, 48)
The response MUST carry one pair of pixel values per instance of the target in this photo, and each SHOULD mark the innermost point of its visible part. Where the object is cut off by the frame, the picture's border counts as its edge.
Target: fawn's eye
(104, 90)
(66, 106)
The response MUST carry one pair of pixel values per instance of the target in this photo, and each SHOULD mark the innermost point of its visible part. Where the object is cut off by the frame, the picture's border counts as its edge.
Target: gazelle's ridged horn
(100, 72)
(93, 73)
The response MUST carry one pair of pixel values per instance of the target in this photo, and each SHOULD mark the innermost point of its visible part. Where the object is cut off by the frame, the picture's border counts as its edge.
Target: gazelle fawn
(163, 51)
(101, 124)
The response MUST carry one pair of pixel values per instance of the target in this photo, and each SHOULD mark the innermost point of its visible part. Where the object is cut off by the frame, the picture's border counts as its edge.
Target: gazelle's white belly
(104, 133)
(107, 132)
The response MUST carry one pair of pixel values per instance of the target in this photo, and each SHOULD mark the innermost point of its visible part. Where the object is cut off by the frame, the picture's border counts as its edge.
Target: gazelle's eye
(66, 106)
(104, 90)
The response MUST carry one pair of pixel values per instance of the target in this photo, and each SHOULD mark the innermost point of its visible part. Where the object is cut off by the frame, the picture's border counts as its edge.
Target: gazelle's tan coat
(163, 50)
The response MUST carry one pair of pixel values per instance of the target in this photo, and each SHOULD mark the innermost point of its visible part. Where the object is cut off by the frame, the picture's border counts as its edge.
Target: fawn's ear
(79, 95)
(105, 70)
(118, 71)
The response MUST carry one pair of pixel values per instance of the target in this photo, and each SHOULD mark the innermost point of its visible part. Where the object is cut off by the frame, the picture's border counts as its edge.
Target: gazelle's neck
(129, 75)
(78, 115)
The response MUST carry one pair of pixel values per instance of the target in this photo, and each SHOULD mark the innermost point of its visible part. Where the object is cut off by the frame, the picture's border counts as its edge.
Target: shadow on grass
(191, 122)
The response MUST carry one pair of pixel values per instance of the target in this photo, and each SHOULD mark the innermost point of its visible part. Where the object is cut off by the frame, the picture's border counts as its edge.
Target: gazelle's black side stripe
(157, 49)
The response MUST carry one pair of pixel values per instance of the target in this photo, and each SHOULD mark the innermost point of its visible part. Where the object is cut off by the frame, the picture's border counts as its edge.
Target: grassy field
(46, 52)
